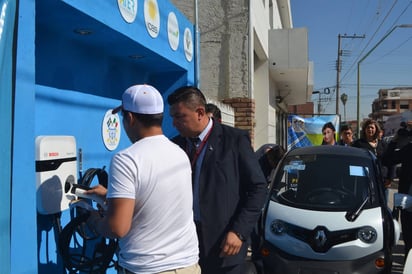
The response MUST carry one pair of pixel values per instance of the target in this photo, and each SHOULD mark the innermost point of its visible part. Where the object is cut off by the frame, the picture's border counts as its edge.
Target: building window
(393, 104)
(404, 105)
(394, 94)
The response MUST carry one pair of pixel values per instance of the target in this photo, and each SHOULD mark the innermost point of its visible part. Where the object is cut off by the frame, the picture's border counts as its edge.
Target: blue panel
(107, 11)
(65, 83)
(100, 62)
(23, 234)
(6, 70)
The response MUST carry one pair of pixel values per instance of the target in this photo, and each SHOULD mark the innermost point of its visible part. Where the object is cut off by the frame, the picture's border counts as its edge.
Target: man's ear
(129, 117)
(201, 111)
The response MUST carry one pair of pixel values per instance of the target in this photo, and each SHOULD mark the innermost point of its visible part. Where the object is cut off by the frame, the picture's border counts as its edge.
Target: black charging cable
(81, 249)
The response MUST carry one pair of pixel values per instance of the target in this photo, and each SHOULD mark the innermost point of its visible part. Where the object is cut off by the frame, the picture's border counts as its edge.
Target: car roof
(331, 150)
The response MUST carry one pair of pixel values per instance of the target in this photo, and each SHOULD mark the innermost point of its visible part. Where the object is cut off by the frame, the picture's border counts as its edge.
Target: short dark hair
(212, 108)
(345, 127)
(275, 154)
(328, 125)
(191, 96)
(147, 120)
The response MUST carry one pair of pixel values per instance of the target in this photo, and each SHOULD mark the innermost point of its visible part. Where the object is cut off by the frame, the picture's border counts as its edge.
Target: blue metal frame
(6, 94)
(64, 84)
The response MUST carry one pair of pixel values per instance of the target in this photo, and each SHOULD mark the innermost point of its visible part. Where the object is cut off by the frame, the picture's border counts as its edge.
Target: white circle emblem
(188, 44)
(111, 130)
(128, 9)
(152, 17)
(173, 31)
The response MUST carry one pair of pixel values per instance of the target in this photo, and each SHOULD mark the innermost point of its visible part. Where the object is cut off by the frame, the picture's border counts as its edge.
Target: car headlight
(277, 227)
(367, 234)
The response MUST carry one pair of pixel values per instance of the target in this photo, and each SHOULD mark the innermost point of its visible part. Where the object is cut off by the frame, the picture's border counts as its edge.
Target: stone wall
(244, 109)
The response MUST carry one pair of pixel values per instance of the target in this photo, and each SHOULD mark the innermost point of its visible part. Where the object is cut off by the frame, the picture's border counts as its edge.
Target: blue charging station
(71, 62)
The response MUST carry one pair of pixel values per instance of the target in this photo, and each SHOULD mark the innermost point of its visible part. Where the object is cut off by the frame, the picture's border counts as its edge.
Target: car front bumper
(277, 261)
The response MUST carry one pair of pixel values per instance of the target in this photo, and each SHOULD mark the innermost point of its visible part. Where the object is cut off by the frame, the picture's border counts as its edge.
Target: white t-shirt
(157, 174)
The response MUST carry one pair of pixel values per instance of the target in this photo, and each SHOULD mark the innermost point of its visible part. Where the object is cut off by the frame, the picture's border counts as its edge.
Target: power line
(371, 38)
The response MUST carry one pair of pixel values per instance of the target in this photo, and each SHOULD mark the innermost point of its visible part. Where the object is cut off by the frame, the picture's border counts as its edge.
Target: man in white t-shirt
(149, 195)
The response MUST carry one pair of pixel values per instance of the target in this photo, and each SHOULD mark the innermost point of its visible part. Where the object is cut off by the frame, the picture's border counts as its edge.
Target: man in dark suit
(228, 184)
(399, 151)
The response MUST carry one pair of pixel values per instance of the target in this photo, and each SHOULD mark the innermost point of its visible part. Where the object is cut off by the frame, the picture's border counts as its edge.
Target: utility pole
(339, 66)
(319, 104)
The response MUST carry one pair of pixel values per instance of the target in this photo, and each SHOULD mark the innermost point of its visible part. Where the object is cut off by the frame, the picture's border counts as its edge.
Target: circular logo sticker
(128, 9)
(173, 31)
(151, 17)
(188, 44)
(111, 130)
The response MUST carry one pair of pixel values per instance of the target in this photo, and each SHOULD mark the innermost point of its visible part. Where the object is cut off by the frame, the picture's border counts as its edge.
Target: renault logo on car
(320, 238)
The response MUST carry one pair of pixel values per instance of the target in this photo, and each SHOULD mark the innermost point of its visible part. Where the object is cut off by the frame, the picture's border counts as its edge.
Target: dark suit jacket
(394, 156)
(232, 189)
(378, 151)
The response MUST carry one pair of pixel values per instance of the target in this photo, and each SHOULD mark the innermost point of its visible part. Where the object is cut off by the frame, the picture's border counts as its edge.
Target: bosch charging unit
(56, 172)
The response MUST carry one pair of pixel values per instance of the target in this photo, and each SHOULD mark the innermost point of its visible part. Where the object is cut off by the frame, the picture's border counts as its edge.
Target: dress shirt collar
(203, 134)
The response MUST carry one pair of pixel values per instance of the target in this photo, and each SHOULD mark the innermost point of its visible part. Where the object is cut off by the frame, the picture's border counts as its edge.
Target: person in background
(371, 141)
(228, 184)
(214, 112)
(346, 135)
(329, 132)
(369, 138)
(149, 196)
(269, 156)
(399, 151)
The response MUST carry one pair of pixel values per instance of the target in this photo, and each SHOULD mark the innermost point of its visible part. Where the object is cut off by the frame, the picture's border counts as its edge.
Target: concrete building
(251, 58)
(390, 102)
(391, 108)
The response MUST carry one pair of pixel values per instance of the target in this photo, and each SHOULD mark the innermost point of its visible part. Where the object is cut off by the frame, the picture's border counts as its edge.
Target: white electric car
(327, 214)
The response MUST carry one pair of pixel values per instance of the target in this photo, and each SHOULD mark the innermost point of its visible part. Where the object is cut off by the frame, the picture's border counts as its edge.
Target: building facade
(251, 58)
(390, 102)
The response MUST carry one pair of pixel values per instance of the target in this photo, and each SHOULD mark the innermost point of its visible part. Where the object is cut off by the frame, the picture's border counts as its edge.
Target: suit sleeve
(395, 156)
(253, 188)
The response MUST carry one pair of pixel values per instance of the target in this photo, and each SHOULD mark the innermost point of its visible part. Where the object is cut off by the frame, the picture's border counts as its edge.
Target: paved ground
(398, 259)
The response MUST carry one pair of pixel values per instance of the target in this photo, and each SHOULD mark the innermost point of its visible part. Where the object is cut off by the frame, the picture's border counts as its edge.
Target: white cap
(143, 99)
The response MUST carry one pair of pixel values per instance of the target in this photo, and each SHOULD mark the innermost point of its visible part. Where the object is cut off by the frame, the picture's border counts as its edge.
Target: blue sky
(388, 65)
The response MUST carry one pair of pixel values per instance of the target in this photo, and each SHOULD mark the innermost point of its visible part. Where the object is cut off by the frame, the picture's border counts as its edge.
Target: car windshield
(324, 182)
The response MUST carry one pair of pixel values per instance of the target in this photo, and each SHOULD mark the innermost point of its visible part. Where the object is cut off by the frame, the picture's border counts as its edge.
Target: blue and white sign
(152, 17)
(173, 31)
(128, 9)
(111, 130)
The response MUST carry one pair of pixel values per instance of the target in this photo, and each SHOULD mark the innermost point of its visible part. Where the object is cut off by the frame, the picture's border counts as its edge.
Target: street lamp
(360, 61)
(344, 98)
